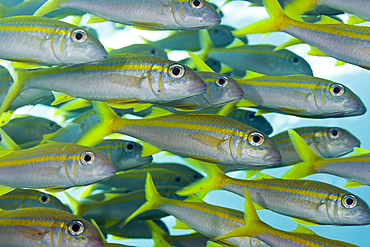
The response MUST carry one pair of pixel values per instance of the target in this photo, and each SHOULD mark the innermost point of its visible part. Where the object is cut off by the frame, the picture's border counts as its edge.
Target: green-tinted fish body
(221, 36)
(168, 14)
(55, 165)
(300, 95)
(46, 227)
(28, 128)
(20, 198)
(125, 155)
(325, 141)
(47, 42)
(213, 138)
(262, 59)
(146, 49)
(120, 78)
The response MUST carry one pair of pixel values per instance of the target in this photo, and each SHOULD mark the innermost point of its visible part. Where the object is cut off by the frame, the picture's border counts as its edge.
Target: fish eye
(176, 71)
(295, 60)
(177, 179)
(76, 228)
(334, 133)
(87, 158)
(79, 36)
(51, 125)
(196, 176)
(128, 147)
(336, 90)
(256, 139)
(153, 51)
(44, 199)
(221, 81)
(250, 116)
(196, 4)
(349, 201)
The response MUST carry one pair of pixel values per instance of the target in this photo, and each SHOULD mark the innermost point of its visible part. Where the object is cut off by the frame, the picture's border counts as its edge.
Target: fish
(346, 43)
(46, 227)
(168, 15)
(53, 166)
(125, 155)
(254, 227)
(24, 128)
(261, 59)
(354, 168)
(48, 42)
(328, 142)
(121, 78)
(311, 201)
(300, 95)
(213, 138)
(22, 198)
(140, 49)
(209, 220)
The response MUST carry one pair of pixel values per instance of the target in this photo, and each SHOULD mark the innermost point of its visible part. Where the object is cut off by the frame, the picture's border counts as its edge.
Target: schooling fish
(167, 15)
(120, 78)
(346, 43)
(212, 138)
(254, 227)
(301, 95)
(355, 167)
(146, 49)
(44, 41)
(311, 201)
(328, 142)
(46, 227)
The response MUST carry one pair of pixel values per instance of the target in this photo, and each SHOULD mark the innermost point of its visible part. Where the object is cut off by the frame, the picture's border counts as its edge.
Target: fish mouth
(236, 97)
(363, 220)
(274, 159)
(211, 20)
(198, 90)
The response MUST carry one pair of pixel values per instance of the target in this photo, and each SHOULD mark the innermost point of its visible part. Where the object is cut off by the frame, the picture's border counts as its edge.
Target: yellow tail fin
(48, 7)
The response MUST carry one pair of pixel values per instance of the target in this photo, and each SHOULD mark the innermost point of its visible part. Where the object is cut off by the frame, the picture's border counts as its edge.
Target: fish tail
(206, 44)
(159, 236)
(297, 7)
(19, 78)
(252, 221)
(76, 205)
(213, 181)
(311, 160)
(109, 122)
(48, 7)
(153, 199)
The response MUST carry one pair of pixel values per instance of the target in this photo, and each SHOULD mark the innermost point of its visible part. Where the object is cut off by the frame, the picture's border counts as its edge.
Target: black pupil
(195, 175)
(51, 125)
(75, 227)
(130, 146)
(176, 71)
(177, 179)
(87, 158)
(152, 51)
(221, 81)
(44, 199)
(295, 60)
(349, 201)
(334, 133)
(251, 115)
(336, 90)
(256, 139)
(216, 30)
(196, 3)
(79, 36)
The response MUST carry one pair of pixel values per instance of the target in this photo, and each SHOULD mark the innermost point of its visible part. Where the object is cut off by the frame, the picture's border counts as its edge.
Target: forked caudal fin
(48, 7)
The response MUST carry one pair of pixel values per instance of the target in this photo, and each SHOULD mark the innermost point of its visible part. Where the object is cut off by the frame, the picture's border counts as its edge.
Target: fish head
(213, 64)
(250, 118)
(195, 14)
(176, 81)
(334, 142)
(77, 232)
(254, 148)
(221, 89)
(87, 165)
(337, 100)
(79, 47)
(129, 156)
(221, 35)
(290, 63)
(45, 200)
(348, 209)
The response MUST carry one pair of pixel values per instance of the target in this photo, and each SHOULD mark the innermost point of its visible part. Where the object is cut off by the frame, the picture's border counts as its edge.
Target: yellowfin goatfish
(355, 167)
(21, 198)
(209, 220)
(46, 227)
(212, 138)
(302, 237)
(54, 165)
(44, 41)
(120, 78)
(347, 43)
(168, 14)
(328, 142)
(312, 201)
(146, 49)
(300, 95)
